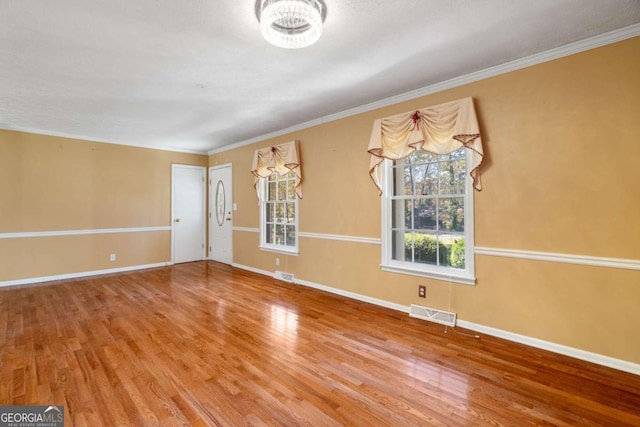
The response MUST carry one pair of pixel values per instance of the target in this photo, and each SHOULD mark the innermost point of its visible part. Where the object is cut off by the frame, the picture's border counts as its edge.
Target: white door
(188, 212)
(220, 214)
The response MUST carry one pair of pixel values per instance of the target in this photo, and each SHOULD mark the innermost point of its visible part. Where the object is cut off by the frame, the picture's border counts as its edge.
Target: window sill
(280, 250)
(448, 276)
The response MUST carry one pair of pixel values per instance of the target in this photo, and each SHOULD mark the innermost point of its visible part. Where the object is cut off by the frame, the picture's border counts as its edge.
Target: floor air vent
(433, 315)
(285, 277)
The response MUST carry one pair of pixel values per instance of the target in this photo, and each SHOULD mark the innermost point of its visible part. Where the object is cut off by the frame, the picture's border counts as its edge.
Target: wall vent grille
(285, 277)
(433, 315)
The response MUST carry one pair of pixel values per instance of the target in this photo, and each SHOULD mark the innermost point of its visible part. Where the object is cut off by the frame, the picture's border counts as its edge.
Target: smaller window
(279, 213)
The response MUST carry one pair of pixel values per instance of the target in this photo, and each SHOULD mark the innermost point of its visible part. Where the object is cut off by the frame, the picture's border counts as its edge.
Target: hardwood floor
(204, 344)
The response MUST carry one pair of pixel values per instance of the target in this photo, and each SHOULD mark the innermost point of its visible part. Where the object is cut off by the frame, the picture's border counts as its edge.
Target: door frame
(211, 197)
(174, 166)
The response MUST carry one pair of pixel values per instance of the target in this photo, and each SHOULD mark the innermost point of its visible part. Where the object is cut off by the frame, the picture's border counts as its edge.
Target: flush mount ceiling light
(291, 24)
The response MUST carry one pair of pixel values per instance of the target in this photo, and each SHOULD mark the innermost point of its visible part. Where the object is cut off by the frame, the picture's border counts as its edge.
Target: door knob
(177, 219)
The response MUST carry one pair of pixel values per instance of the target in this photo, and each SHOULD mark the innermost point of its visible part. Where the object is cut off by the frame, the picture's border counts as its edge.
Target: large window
(428, 216)
(279, 213)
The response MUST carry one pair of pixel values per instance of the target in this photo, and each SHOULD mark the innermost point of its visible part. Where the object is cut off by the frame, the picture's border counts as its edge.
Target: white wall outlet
(112, 257)
(235, 206)
(277, 261)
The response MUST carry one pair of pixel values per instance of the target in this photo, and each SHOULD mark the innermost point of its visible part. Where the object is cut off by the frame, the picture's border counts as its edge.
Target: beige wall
(562, 144)
(59, 184)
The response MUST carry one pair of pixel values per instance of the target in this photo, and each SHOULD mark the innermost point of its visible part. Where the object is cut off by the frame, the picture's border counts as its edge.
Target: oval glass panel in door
(220, 204)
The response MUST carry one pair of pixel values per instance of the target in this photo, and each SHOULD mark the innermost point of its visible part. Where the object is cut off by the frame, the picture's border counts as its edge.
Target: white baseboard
(32, 280)
(252, 269)
(329, 289)
(353, 295)
(598, 359)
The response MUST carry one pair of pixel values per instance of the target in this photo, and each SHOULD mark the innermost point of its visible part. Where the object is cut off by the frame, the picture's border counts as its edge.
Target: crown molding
(535, 59)
(4, 126)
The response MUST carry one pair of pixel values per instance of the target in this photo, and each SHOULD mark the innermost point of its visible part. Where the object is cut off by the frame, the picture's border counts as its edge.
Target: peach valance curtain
(281, 159)
(440, 129)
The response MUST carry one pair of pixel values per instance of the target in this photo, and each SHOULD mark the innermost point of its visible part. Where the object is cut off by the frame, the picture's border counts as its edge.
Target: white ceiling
(196, 75)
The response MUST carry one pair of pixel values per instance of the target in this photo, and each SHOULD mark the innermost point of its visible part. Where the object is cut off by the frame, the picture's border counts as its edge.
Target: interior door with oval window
(220, 214)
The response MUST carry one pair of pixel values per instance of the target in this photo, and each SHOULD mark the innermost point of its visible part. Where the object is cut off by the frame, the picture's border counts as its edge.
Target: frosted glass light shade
(291, 24)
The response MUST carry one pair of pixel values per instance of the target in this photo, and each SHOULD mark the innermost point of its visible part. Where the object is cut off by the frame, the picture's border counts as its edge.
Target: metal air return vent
(285, 277)
(433, 315)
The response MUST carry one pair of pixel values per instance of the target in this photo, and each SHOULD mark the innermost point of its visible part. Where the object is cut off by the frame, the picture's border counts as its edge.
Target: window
(428, 216)
(279, 213)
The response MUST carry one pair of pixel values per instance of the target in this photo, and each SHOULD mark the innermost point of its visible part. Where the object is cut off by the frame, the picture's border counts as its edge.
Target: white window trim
(278, 250)
(264, 246)
(466, 276)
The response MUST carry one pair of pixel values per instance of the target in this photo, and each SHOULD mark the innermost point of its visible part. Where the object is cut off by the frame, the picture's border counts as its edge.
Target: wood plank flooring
(205, 344)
